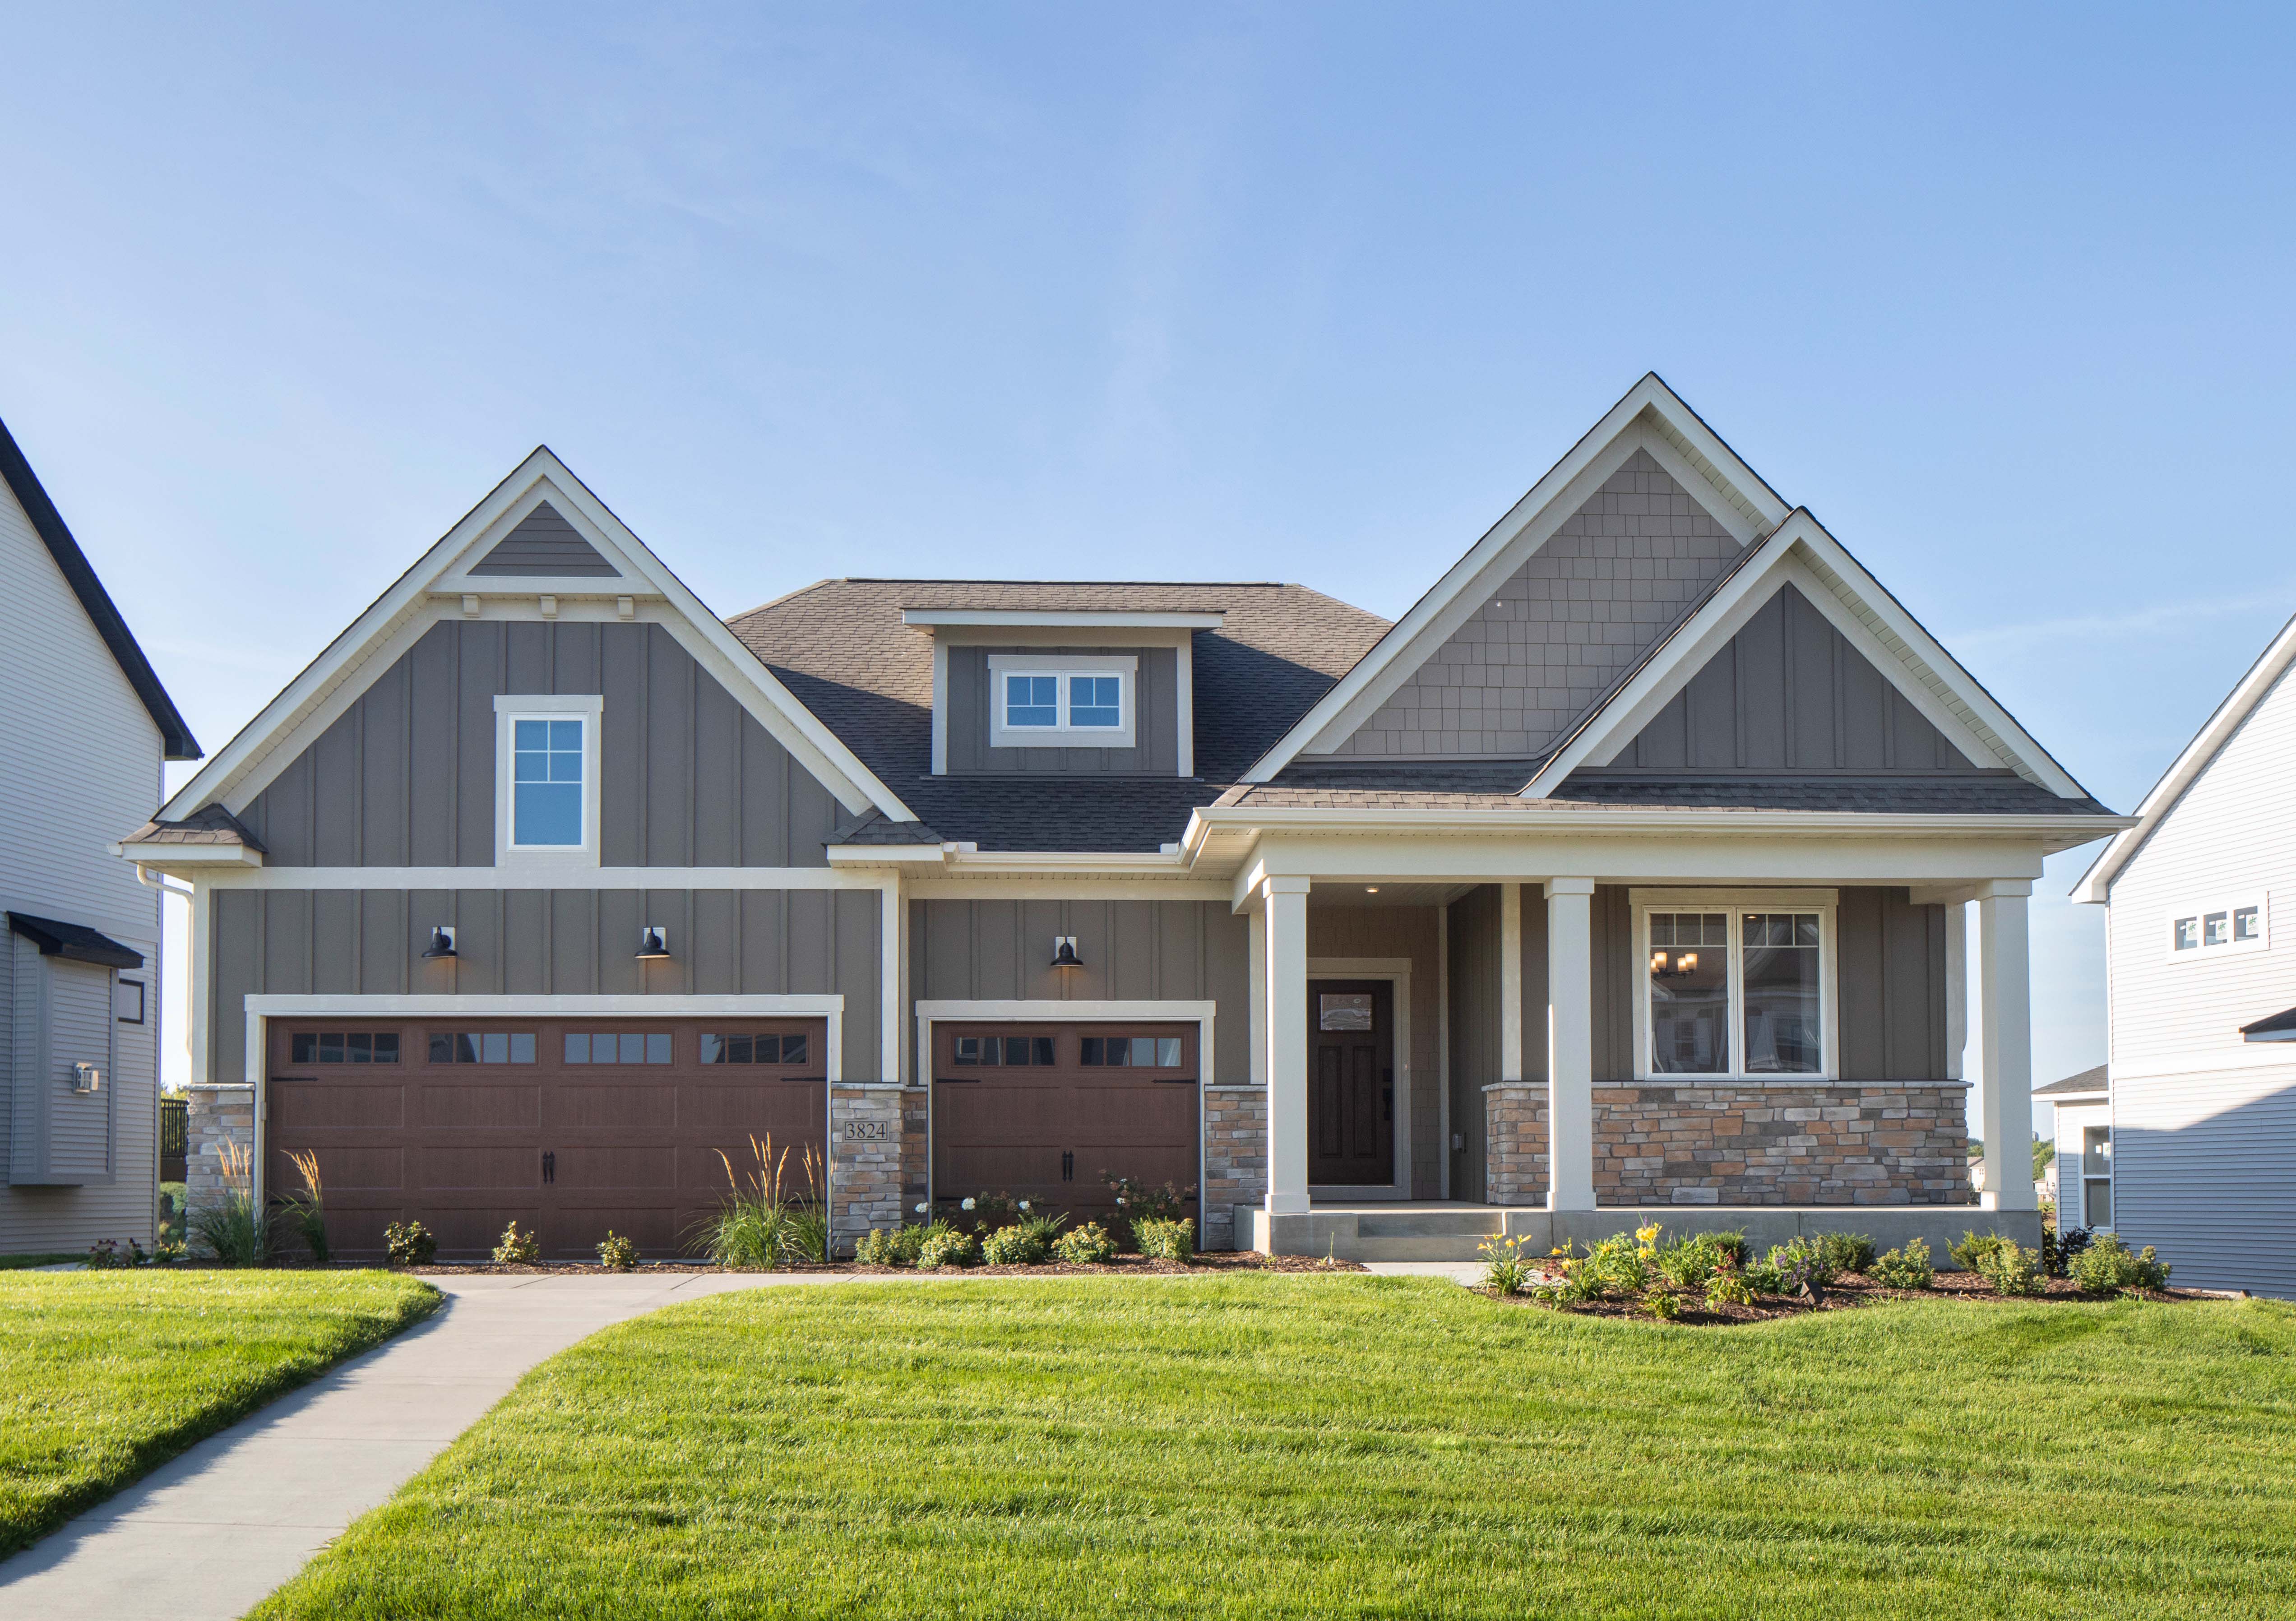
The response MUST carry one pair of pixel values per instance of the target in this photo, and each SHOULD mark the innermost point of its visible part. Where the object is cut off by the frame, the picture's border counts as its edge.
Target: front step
(1427, 1224)
(1457, 1246)
(1394, 1234)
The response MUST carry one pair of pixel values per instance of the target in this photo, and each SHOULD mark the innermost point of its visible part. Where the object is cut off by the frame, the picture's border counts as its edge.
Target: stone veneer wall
(217, 1115)
(1736, 1143)
(1514, 1144)
(1235, 1159)
(877, 1163)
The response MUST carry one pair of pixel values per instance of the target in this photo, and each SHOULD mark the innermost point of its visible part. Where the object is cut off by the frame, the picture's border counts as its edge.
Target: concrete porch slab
(1450, 1230)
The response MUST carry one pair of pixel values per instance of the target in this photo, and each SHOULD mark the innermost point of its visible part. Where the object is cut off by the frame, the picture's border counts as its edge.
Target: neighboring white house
(83, 727)
(2203, 996)
(2079, 1177)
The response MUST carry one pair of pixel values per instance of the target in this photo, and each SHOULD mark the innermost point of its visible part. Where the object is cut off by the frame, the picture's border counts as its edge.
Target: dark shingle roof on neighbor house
(2087, 1081)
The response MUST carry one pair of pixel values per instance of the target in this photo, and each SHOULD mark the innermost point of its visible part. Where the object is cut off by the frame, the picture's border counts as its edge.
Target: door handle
(1387, 1096)
(1067, 1165)
(549, 1166)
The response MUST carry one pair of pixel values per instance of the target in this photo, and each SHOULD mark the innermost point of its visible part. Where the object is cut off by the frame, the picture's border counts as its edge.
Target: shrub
(1505, 1270)
(2106, 1267)
(1801, 1264)
(1615, 1266)
(948, 1248)
(1140, 1202)
(617, 1252)
(517, 1248)
(1732, 1244)
(985, 1212)
(1174, 1240)
(234, 1228)
(805, 1235)
(764, 1219)
(909, 1242)
(107, 1256)
(877, 1248)
(1846, 1251)
(1764, 1279)
(2059, 1248)
(1728, 1288)
(1906, 1267)
(1662, 1306)
(306, 1211)
(1089, 1245)
(1688, 1263)
(1047, 1228)
(2012, 1268)
(1975, 1249)
(409, 1244)
(173, 1199)
(1013, 1246)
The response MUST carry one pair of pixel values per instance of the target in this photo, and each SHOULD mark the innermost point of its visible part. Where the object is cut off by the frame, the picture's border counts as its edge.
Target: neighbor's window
(1735, 993)
(2225, 926)
(546, 781)
(2096, 1177)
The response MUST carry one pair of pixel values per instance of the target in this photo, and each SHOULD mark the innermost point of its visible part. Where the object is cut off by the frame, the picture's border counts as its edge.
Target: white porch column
(1569, 1044)
(2004, 1018)
(1286, 902)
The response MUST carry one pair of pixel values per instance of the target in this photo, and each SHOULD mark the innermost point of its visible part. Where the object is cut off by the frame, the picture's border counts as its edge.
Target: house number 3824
(868, 1131)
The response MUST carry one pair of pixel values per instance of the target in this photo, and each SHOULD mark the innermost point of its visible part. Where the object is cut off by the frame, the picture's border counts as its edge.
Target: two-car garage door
(568, 1127)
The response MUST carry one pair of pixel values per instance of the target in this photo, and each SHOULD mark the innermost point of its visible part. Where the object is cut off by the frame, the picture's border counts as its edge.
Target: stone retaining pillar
(218, 1114)
(1235, 1161)
(877, 1167)
(1515, 1143)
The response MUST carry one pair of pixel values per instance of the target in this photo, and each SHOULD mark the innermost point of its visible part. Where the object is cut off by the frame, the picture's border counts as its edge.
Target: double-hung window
(546, 804)
(1062, 701)
(1735, 985)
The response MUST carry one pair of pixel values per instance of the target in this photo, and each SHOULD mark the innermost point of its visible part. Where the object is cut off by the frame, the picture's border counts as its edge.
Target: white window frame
(1736, 902)
(2200, 914)
(590, 709)
(1126, 666)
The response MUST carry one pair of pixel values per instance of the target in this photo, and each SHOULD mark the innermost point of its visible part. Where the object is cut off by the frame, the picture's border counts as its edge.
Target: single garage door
(568, 1127)
(1041, 1112)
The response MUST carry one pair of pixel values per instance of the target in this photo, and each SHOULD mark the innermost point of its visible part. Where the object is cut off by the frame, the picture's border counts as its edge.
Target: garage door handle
(549, 1166)
(1067, 1165)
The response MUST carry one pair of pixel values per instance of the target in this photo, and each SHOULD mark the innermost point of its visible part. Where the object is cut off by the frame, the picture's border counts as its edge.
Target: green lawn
(1268, 1445)
(104, 1374)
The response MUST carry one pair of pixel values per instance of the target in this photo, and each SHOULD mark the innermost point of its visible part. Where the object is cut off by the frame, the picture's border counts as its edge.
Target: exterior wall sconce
(1064, 952)
(442, 943)
(654, 944)
(86, 1078)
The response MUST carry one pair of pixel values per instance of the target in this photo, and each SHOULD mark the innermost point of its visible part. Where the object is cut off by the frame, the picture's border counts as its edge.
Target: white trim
(1083, 887)
(892, 977)
(1510, 1033)
(1082, 619)
(529, 875)
(163, 854)
(1527, 525)
(1184, 691)
(2095, 885)
(510, 709)
(1396, 972)
(1642, 903)
(1443, 1046)
(1061, 735)
(939, 707)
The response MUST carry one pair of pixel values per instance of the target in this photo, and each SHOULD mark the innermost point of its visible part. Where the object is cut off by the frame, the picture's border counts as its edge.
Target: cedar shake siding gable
(1558, 632)
(1789, 692)
(406, 776)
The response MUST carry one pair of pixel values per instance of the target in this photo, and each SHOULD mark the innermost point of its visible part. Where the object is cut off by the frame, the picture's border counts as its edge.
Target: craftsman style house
(84, 727)
(1629, 868)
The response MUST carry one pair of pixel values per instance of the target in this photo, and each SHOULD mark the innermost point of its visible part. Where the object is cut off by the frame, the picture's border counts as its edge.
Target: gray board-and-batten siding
(1155, 722)
(545, 943)
(406, 776)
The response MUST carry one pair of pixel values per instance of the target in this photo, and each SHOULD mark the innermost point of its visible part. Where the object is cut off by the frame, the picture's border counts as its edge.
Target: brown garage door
(569, 1126)
(1040, 1111)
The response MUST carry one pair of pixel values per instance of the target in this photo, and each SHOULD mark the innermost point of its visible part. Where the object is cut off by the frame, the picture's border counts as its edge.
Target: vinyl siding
(2205, 1160)
(545, 545)
(1155, 726)
(69, 791)
(405, 777)
(544, 942)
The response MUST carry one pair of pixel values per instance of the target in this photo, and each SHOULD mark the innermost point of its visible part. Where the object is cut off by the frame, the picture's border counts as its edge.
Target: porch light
(1687, 962)
(1371, 889)
(1064, 952)
(442, 943)
(654, 944)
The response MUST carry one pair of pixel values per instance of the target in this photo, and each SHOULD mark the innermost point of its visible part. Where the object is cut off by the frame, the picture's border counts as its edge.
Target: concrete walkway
(211, 1533)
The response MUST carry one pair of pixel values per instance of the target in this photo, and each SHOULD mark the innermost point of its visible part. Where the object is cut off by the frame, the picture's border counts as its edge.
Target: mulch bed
(1847, 1292)
(1245, 1261)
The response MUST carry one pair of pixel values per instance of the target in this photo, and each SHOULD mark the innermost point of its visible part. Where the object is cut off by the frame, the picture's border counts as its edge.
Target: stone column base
(1236, 1162)
(877, 1168)
(1515, 1143)
(217, 1115)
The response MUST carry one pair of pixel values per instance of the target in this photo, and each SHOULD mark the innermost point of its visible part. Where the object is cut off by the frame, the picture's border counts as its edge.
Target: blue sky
(1304, 292)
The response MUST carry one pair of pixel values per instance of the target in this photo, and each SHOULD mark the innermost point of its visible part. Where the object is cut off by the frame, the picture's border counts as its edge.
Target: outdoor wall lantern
(86, 1078)
(654, 944)
(442, 943)
(1064, 952)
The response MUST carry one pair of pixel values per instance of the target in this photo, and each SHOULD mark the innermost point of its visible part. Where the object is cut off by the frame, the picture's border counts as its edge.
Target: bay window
(1733, 985)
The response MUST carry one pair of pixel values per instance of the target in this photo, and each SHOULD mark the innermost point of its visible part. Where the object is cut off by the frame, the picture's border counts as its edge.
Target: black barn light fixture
(442, 943)
(1064, 952)
(654, 944)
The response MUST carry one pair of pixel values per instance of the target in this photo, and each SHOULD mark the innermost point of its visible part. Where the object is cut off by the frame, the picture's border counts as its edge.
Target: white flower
(966, 1206)
(1024, 1204)
(921, 1210)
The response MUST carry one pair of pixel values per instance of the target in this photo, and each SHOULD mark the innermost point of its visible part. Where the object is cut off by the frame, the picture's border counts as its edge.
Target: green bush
(2105, 1266)
(2013, 1269)
(1013, 1246)
(1174, 1240)
(616, 1252)
(1662, 1306)
(1140, 1202)
(306, 1211)
(234, 1228)
(517, 1248)
(877, 1248)
(1975, 1249)
(1728, 1288)
(1800, 1262)
(1089, 1245)
(984, 1213)
(948, 1248)
(1506, 1271)
(409, 1244)
(107, 1256)
(1764, 1279)
(1047, 1228)
(1687, 1263)
(1846, 1251)
(765, 1220)
(1906, 1267)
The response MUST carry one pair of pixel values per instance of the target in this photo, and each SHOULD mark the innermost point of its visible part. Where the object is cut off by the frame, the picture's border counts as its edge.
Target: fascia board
(1624, 820)
(886, 855)
(2095, 885)
(1083, 620)
(164, 857)
(1566, 487)
(1066, 861)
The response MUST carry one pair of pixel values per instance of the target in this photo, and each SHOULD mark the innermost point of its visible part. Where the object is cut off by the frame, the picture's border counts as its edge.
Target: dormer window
(1056, 701)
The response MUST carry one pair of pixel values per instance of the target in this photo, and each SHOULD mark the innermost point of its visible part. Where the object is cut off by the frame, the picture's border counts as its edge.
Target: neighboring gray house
(1627, 870)
(83, 727)
(2080, 1176)
(2203, 996)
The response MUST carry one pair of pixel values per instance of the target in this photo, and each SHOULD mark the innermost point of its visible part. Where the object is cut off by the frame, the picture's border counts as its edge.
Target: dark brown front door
(570, 1126)
(1041, 1112)
(1350, 1083)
